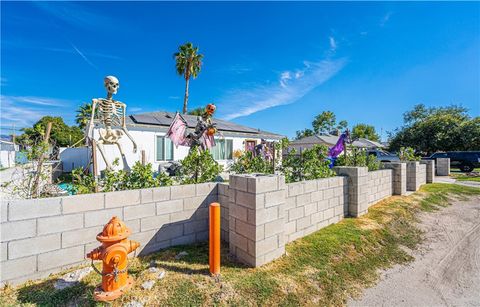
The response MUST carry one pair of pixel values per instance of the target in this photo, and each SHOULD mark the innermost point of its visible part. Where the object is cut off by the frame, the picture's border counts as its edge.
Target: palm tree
(83, 115)
(187, 62)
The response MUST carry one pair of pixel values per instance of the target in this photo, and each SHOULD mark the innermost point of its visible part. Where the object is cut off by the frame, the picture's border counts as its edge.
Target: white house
(149, 129)
(330, 140)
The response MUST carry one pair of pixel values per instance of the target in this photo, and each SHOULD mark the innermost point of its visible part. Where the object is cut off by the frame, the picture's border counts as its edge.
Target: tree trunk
(185, 99)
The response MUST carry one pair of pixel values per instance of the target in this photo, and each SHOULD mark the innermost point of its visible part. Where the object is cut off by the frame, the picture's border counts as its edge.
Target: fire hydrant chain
(115, 272)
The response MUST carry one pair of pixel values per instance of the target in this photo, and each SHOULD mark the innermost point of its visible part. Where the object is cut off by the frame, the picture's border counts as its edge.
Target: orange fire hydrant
(113, 252)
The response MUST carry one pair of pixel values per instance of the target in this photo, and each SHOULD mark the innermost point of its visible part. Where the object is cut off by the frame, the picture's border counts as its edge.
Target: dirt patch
(446, 270)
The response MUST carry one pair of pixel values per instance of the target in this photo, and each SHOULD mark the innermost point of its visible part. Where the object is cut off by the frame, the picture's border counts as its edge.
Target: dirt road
(446, 270)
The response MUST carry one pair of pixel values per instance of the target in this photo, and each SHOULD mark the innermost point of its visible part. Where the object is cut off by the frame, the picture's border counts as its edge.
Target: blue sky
(268, 65)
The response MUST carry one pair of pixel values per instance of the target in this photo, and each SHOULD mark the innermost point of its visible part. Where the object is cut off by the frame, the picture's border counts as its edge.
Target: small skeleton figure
(204, 125)
(111, 114)
(263, 150)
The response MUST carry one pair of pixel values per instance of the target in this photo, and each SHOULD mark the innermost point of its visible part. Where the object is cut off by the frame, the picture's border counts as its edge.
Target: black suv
(466, 161)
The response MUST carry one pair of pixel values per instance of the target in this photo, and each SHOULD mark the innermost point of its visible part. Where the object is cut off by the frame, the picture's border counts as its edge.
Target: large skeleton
(110, 114)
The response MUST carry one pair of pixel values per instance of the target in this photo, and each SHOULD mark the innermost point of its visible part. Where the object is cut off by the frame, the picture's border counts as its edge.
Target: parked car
(466, 161)
(383, 156)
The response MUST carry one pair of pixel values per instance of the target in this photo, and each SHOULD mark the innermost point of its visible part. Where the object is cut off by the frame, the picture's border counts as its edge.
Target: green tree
(198, 167)
(188, 63)
(61, 135)
(197, 111)
(365, 131)
(428, 130)
(84, 113)
(324, 122)
(304, 133)
(342, 125)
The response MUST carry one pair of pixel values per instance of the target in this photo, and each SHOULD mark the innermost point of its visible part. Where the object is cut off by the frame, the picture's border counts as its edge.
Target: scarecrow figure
(203, 134)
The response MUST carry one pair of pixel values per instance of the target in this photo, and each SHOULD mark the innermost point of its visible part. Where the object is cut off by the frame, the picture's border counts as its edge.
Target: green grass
(463, 177)
(324, 268)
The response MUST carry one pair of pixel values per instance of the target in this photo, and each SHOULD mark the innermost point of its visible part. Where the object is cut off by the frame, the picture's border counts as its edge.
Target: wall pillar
(430, 167)
(443, 166)
(357, 188)
(257, 218)
(399, 180)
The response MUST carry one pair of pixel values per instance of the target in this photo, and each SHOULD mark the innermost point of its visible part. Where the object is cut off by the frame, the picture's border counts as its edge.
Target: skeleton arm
(92, 117)
(123, 108)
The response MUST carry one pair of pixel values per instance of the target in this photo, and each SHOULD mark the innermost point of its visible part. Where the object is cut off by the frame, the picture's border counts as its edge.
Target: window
(164, 149)
(222, 150)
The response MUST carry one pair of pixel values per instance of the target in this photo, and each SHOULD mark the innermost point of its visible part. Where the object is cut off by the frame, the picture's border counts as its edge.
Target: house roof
(331, 140)
(164, 119)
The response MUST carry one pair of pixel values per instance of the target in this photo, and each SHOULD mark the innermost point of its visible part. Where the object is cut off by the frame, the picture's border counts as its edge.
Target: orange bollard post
(214, 239)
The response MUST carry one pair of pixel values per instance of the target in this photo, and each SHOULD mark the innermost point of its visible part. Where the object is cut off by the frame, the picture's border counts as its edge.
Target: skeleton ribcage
(110, 113)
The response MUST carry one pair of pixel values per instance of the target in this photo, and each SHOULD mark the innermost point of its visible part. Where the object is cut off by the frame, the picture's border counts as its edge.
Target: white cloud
(385, 18)
(333, 43)
(83, 56)
(26, 110)
(245, 102)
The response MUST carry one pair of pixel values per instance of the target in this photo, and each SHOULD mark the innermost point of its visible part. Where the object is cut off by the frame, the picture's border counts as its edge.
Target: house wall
(7, 158)
(146, 140)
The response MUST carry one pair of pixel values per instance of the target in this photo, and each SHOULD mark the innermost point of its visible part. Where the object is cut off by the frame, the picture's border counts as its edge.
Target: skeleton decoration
(110, 114)
(201, 137)
(263, 150)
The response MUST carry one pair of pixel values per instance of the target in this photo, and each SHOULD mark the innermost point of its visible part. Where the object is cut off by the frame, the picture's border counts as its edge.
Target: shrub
(83, 183)
(360, 158)
(198, 167)
(247, 163)
(310, 164)
(407, 154)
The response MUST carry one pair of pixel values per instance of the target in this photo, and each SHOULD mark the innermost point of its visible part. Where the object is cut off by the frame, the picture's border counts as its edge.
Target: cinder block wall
(399, 177)
(379, 185)
(224, 200)
(430, 170)
(416, 175)
(41, 236)
(314, 204)
(357, 178)
(443, 166)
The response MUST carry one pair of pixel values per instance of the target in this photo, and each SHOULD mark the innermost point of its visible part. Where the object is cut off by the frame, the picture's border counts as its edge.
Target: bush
(198, 167)
(310, 164)
(246, 163)
(408, 154)
(360, 158)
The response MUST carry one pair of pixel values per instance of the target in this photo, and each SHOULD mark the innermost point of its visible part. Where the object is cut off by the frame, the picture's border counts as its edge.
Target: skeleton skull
(111, 84)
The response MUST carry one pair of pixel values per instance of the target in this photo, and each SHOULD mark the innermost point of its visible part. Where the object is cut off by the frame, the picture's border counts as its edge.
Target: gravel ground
(446, 270)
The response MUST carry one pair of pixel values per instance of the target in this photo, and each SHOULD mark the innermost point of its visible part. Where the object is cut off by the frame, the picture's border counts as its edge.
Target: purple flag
(334, 151)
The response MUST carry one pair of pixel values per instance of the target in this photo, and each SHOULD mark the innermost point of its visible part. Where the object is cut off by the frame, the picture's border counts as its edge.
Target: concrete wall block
(139, 211)
(202, 236)
(294, 189)
(182, 191)
(154, 222)
(61, 257)
(16, 268)
(3, 253)
(33, 246)
(184, 240)
(265, 246)
(274, 227)
(223, 189)
(18, 230)
(195, 226)
(209, 188)
(166, 207)
(122, 198)
(25, 209)
(145, 238)
(304, 222)
(328, 213)
(309, 186)
(316, 196)
(245, 229)
(310, 209)
(58, 224)
(197, 202)
(294, 236)
(332, 202)
(102, 217)
(182, 215)
(303, 199)
(323, 205)
(80, 236)
(327, 194)
(3, 211)
(83, 202)
(241, 212)
(295, 213)
(290, 202)
(161, 194)
(290, 227)
(322, 184)
(262, 216)
(146, 196)
(247, 199)
(169, 231)
(275, 198)
(239, 241)
(317, 217)
(262, 184)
